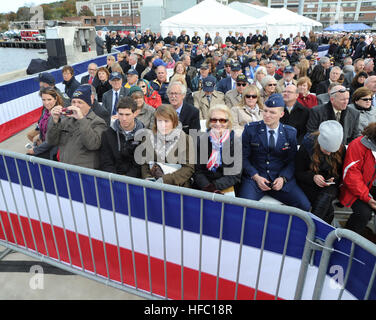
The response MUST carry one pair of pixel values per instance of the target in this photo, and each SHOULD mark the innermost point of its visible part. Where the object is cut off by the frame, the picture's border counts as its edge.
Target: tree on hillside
(23, 14)
(85, 11)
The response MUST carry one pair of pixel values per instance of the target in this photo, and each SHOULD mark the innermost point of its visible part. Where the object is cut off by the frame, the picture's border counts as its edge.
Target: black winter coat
(203, 177)
(117, 154)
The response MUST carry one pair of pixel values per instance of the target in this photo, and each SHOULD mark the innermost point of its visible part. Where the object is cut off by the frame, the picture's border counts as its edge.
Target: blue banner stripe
(24, 87)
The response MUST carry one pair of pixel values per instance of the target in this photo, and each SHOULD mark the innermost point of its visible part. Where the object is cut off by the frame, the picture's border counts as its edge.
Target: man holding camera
(269, 149)
(77, 130)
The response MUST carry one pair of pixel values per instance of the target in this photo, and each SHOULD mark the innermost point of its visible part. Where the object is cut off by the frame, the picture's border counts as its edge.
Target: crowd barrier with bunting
(162, 241)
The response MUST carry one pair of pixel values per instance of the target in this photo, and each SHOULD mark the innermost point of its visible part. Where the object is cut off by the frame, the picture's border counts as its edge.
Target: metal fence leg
(5, 252)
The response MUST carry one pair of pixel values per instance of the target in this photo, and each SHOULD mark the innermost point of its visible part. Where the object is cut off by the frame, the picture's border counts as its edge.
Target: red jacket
(309, 101)
(359, 172)
(154, 100)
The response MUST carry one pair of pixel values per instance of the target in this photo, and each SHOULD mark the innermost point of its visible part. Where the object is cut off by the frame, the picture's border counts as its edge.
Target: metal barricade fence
(149, 239)
(353, 249)
(161, 241)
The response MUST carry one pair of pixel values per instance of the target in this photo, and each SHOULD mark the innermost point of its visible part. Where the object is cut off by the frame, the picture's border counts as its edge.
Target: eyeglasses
(222, 121)
(171, 94)
(366, 99)
(92, 69)
(272, 85)
(340, 91)
(249, 96)
(241, 84)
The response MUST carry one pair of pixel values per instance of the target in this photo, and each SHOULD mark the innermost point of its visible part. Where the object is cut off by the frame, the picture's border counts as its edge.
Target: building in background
(153, 12)
(329, 12)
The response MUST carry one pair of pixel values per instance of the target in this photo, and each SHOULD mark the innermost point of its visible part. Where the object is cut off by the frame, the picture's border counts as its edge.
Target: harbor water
(12, 59)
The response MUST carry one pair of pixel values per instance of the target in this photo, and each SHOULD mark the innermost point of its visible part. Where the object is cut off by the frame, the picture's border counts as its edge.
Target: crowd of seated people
(242, 117)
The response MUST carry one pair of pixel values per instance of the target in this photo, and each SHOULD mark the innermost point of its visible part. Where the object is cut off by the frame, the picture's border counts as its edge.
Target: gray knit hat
(331, 135)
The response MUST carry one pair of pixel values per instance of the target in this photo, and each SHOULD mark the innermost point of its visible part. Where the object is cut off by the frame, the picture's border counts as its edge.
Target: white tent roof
(276, 21)
(209, 16)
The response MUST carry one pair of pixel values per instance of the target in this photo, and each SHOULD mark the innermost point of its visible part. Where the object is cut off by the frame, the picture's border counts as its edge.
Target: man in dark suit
(269, 149)
(229, 83)
(133, 64)
(289, 40)
(189, 116)
(334, 75)
(349, 76)
(111, 98)
(90, 78)
(295, 115)
(279, 41)
(336, 109)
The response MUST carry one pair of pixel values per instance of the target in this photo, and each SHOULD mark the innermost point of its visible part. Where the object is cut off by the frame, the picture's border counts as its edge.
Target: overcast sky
(13, 5)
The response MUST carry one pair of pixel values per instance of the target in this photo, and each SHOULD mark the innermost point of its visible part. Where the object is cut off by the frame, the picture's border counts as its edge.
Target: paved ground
(17, 282)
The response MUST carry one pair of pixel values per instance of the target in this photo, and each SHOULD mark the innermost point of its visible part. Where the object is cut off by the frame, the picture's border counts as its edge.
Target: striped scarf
(215, 158)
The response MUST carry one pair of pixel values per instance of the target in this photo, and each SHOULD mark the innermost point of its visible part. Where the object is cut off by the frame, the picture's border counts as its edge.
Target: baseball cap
(288, 69)
(47, 78)
(235, 66)
(115, 75)
(132, 71)
(241, 78)
(208, 84)
(204, 66)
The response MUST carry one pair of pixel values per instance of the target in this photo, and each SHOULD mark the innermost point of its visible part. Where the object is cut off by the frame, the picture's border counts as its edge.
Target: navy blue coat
(224, 85)
(278, 163)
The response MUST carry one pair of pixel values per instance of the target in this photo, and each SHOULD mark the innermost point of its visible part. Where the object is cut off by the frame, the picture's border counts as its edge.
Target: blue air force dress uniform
(259, 157)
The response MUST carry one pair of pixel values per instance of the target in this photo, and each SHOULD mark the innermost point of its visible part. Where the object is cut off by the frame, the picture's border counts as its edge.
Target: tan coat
(201, 102)
(232, 98)
(183, 152)
(241, 116)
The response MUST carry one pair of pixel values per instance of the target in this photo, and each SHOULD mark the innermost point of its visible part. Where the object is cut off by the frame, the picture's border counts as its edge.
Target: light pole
(132, 12)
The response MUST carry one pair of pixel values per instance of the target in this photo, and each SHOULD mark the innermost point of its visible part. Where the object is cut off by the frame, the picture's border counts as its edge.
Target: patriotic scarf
(215, 158)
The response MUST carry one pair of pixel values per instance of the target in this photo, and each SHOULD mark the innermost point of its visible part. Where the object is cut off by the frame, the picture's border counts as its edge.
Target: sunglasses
(241, 84)
(222, 121)
(142, 86)
(272, 85)
(366, 99)
(283, 56)
(249, 96)
(340, 91)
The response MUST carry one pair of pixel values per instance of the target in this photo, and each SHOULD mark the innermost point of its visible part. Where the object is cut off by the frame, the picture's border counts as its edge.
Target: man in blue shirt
(269, 149)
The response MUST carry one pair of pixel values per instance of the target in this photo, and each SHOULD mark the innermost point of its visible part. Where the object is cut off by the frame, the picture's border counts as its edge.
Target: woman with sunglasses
(362, 101)
(219, 143)
(40, 147)
(249, 109)
(151, 96)
(269, 86)
(168, 154)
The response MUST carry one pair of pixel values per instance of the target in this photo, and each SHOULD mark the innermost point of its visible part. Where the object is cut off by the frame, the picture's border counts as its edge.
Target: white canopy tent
(210, 16)
(276, 21)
